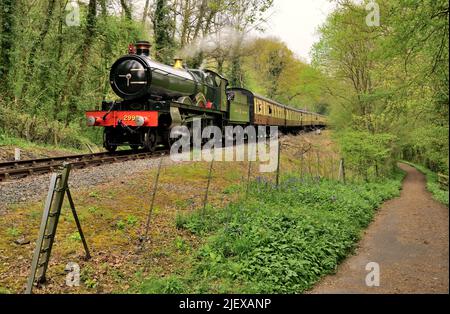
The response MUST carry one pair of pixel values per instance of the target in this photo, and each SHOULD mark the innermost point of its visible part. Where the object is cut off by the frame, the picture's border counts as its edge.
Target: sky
(293, 21)
(296, 21)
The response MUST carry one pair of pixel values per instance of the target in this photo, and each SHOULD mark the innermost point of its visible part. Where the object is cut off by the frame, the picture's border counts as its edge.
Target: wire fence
(304, 160)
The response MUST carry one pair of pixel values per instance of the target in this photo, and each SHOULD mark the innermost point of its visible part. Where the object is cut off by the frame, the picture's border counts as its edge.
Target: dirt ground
(408, 239)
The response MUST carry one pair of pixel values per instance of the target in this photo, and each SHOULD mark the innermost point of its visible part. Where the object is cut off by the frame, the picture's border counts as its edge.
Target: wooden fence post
(342, 170)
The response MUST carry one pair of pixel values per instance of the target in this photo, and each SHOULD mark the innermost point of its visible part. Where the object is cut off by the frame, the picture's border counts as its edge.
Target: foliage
(163, 29)
(278, 241)
(392, 78)
(273, 70)
(38, 129)
(363, 152)
(170, 285)
(57, 71)
(13, 232)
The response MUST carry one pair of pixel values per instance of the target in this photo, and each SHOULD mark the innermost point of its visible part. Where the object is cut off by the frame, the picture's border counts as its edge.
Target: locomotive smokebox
(137, 76)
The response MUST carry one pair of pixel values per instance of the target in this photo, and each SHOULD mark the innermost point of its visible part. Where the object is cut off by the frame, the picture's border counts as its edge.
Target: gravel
(34, 188)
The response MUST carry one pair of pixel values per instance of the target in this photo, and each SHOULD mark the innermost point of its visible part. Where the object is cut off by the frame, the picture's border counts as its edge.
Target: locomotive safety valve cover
(128, 118)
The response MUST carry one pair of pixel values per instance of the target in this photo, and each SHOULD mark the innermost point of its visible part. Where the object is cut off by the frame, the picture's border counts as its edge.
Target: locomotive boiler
(137, 76)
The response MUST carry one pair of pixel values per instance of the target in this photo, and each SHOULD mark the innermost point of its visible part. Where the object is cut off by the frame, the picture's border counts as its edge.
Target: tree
(85, 48)
(392, 78)
(126, 8)
(6, 45)
(162, 28)
(37, 46)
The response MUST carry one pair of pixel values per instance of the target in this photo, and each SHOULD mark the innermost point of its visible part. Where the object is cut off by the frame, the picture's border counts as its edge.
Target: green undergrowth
(432, 184)
(278, 240)
(24, 144)
(32, 130)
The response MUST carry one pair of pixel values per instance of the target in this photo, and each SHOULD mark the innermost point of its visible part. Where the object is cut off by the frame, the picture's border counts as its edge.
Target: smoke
(226, 42)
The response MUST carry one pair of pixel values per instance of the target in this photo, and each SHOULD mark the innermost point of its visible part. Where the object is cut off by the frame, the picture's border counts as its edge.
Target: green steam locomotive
(156, 97)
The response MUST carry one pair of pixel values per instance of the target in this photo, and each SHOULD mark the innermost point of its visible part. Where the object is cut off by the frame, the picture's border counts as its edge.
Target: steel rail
(11, 170)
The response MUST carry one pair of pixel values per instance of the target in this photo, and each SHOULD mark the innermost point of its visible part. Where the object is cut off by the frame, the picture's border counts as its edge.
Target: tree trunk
(57, 63)
(185, 24)
(90, 32)
(6, 44)
(145, 13)
(162, 28)
(236, 72)
(200, 17)
(37, 46)
(126, 9)
(106, 53)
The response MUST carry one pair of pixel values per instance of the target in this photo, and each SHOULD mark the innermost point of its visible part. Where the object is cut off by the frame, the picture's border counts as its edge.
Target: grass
(433, 185)
(278, 240)
(24, 144)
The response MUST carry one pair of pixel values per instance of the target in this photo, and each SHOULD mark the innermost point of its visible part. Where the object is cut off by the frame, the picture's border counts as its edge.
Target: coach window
(260, 109)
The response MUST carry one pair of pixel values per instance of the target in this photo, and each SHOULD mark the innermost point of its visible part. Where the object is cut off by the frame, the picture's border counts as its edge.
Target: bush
(39, 130)
(368, 154)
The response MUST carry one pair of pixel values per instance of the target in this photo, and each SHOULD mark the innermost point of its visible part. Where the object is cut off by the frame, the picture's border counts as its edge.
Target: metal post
(77, 221)
(309, 165)
(327, 168)
(248, 178)
(301, 165)
(318, 164)
(278, 163)
(205, 199)
(155, 187)
(332, 167)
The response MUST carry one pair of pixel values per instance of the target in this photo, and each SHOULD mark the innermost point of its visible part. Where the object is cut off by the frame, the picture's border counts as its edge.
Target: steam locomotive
(156, 97)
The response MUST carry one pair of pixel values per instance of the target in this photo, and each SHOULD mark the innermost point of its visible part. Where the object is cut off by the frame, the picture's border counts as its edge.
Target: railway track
(11, 170)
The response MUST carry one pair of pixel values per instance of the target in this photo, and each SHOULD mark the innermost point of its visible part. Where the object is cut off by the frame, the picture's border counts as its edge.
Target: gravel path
(409, 240)
(35, 188)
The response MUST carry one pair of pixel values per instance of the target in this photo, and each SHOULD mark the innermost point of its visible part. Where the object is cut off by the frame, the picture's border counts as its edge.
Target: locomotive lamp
(140, 121)
(91, 121)
(131, 49)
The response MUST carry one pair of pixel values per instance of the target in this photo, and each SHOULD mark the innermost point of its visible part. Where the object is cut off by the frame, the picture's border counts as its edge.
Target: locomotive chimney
(178, 63)
(143, 48)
